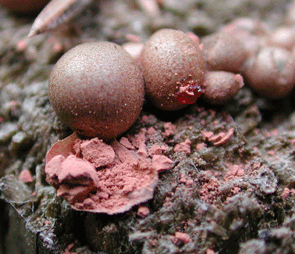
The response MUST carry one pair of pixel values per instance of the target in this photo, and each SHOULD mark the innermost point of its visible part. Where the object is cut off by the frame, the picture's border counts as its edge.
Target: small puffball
(283, 37)
(97, 89)
(173, 69)
(271, 73)
(221, 86)
(250, 41)
(290, 15)
(253, 26)
(223, 52)
(250, 32)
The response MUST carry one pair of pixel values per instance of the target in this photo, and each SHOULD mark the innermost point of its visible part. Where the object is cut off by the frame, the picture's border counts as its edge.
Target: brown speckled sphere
(173, 68)
(223, 52)
(221, 86)
(271, 73)
(97, 89)
(23, 6)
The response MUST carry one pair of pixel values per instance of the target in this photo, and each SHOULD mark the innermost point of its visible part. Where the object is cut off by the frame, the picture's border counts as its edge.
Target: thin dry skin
(221, 86)
(223, 52)
(97, 89)
(167, 59)
(271, 73)
(96, 177)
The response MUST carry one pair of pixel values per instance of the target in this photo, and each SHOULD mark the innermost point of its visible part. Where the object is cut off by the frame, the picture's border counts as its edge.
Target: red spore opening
(188, 92)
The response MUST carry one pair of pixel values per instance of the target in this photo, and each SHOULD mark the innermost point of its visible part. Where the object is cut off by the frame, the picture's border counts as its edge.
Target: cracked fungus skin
(97, 89)
(168, 60)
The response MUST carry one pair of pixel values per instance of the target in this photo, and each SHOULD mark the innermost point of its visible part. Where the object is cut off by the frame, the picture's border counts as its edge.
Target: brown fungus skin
(221, 86)
(224, 52)
(23, 6)
(169, 61)
(271, 73)
(283, 37)
(97, 89)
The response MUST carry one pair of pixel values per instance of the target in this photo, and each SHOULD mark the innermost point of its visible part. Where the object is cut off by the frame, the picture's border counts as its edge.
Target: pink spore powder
(104, 178)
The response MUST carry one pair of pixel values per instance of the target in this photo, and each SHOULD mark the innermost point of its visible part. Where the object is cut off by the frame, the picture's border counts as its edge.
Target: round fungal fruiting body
(223, 52)
(221, 86)
(173, 69)
(283, 37)
(250, 33)
(97, 89)
(271, 73)
(23, 6)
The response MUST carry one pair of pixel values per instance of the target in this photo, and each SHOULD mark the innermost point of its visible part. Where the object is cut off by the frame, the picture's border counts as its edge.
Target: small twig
(56, 12)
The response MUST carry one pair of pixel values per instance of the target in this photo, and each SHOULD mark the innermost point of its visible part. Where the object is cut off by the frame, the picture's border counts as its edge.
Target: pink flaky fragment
(225, 138)
(73, 195)
(169, 129)
(161, 162)
(97, 152)
(53, 168)
(155, 149)
(139, 138)
(102, 178)
(142, 150)
(183, 237)
(125, 142)
(25, 176)
(207, 135)
(143, 211)
(218, 139)
(77, 171)
(184, 147)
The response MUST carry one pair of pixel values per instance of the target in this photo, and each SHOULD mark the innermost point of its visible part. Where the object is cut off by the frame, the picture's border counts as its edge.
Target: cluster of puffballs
(98, 88)
(270, 66)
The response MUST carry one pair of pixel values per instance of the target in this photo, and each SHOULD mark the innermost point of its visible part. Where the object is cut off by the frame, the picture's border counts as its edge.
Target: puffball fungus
(97, 89)
(23, 6)
(223, 52)
(221, 86)
(173, 69)
(271, 73)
